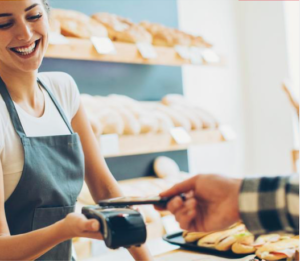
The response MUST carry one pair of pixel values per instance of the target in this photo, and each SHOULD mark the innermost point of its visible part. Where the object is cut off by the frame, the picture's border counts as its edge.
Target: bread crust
(77, 24)
(194, 236)
(265, 252)
(122, 29)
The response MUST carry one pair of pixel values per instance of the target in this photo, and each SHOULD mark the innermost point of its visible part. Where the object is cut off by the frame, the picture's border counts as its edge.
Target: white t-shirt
(65, 90)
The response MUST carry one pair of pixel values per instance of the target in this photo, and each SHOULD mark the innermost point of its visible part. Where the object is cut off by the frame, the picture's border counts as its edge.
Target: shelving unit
(128, 73)
(82, 49)
(153, 143)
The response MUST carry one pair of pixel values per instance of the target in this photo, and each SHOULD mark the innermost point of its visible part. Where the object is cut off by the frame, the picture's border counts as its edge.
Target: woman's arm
(100, 181)
(27, 247)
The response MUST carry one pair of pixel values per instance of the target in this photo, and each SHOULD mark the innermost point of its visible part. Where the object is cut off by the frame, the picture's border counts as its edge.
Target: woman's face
(23, 34)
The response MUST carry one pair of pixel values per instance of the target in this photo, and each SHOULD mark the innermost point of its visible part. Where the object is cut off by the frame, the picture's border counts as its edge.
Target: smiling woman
(46, 146)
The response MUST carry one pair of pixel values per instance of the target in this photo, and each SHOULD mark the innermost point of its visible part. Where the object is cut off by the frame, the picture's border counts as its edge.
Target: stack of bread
(75, 24)
(165, 36)
(122, 29)
(241, 241)
(117, 114)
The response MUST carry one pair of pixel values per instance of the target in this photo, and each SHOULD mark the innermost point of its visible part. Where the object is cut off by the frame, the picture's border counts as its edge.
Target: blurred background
(232, 80)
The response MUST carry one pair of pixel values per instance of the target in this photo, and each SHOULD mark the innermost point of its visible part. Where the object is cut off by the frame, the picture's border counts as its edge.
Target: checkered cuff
(270, 204)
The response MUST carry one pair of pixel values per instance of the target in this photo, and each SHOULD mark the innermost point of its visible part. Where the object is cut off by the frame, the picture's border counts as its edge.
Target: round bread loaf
(165, 167)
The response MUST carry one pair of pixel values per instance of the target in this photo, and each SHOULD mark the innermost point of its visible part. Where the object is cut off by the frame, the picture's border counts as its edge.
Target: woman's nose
(24, 32)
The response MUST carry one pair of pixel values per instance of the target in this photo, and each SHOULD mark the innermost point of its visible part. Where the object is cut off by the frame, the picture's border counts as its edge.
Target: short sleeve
(74, 97)
(64, 89)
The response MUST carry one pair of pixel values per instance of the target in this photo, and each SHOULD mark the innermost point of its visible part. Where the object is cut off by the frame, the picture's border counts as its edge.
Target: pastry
(131, 124)
(160, 34)
(165, 167)
(244, 243)
(178, 119)
(281, 249)
(76, 24)
(111, 121)
(221, 240)
(194, 236)
(263, 239)
(164, 122)
(226, 240)
(121, 29)
(195, 120)
(169, 37)
(148, 122)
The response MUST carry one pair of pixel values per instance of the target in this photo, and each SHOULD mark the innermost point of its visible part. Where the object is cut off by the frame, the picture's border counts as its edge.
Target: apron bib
(51, 180)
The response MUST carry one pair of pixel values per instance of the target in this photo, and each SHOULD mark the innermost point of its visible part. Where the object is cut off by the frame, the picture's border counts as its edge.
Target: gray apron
(51, 180)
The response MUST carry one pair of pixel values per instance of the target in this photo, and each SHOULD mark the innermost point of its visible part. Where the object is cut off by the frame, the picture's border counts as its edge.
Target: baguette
(77, 24)
(194, 236)
(243, 244)
(278, 250)
(227, 239)
(121, 29)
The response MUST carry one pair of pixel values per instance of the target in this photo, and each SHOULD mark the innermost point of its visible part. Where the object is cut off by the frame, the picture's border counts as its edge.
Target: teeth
(27, 50)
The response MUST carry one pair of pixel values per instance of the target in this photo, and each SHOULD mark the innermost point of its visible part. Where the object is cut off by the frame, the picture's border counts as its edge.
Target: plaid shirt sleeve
(270, 204)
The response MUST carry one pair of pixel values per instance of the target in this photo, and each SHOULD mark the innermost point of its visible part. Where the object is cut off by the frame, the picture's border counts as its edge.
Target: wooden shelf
(152, 143)
(82, 49)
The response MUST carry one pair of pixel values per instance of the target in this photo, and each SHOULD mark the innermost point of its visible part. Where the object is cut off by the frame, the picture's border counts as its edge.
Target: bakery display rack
(83, 49)
(153, 143)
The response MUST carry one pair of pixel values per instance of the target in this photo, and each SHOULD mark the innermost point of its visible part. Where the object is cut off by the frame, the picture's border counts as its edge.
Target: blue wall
(141, 82)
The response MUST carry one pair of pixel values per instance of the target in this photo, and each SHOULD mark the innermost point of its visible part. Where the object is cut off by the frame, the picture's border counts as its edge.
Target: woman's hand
(211, 202)
(77, 225)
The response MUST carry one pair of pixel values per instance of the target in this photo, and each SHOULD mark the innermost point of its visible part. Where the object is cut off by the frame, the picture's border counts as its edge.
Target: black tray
(177, 239)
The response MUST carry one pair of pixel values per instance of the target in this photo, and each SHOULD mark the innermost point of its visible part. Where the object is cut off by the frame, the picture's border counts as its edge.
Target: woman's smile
(26, 51)
(24, 35)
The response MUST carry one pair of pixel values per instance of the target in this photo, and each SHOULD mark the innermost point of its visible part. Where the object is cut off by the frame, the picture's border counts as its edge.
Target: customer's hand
(211, 203)
(77, 225)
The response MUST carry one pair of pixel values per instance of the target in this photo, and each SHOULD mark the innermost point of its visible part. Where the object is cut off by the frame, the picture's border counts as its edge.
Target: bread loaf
(111, 121)
(165, 167)
(170, 37)
(196, 122)
(76, 24)
(164, 122)
(244, 244)
(178, 119)
(121, 29)
(278, 250)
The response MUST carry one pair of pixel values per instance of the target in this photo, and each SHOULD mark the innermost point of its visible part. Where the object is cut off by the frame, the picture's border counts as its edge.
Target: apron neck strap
(12, 110)
(60, 110)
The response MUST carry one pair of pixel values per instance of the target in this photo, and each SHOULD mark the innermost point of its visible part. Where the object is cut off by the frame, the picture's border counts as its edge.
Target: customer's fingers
(186, 213)
(186, 218)
(180, 188)
(187, 195)
(175, 204)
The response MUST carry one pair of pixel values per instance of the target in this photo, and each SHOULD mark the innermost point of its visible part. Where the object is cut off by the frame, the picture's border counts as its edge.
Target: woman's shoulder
(57, 79)
(59, 83)
(64, 89)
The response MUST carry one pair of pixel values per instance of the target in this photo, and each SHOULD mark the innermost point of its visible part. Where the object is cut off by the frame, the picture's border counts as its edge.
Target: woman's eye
(5, 26)
(35, 17)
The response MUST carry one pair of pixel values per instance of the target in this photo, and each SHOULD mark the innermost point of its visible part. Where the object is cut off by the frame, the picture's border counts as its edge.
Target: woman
(46, 146)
